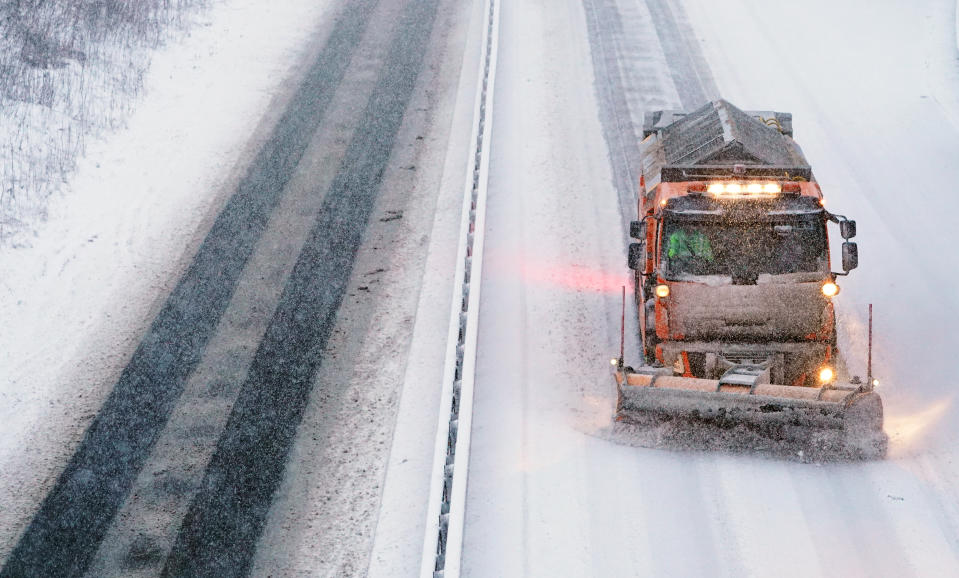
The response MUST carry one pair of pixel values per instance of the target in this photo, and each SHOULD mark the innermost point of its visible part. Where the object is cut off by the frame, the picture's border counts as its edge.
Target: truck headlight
(830, 289)
(826, 375)
(662, 290)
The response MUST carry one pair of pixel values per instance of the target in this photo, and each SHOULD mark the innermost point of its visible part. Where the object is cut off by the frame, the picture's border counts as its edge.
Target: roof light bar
(744, 189)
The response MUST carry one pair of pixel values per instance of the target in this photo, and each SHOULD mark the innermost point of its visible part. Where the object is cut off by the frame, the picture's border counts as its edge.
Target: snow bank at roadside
(74, 304)
(70, 74)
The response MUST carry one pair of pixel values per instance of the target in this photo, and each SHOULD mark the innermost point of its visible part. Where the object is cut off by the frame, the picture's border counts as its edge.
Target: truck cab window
(716, 248)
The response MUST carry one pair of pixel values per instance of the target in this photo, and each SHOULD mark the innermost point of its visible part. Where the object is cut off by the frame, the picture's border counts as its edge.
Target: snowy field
(72, 72)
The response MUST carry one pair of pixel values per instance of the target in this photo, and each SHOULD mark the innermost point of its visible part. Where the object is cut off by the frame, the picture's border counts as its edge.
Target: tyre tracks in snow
(645, 58)
(227, 504)
(223, 524)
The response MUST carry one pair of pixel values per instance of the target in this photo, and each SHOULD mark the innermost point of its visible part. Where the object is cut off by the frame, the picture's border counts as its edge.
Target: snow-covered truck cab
(734, 283)
(736, 276)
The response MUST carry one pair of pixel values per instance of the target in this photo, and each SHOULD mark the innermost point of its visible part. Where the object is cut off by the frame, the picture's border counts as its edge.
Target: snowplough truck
(734, 284)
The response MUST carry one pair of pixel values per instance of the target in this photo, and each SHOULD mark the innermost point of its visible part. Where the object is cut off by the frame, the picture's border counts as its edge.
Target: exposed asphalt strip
(65, 533)
(219, 534)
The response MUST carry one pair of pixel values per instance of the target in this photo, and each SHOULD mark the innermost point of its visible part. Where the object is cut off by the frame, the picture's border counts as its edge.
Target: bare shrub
(69, 70)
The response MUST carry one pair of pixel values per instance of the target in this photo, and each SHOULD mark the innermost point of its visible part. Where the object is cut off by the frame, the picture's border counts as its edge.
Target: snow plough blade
(848, 415)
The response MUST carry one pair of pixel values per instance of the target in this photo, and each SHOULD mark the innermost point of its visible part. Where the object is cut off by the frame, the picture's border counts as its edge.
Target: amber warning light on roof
(744, 189)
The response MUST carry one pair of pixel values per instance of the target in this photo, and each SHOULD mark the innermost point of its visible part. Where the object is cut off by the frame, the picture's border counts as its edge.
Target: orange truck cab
(731, 252)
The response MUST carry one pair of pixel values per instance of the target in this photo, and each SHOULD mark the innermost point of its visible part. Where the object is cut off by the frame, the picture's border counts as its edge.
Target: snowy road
(874, 95)
(248, 431)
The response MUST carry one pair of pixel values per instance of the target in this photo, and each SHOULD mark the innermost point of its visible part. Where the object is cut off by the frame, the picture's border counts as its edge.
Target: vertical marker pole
(622, 331)
(869, 357)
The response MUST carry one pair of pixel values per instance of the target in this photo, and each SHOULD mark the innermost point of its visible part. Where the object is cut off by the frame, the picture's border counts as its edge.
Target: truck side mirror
(847, 229)
(850, 256)
(635, 257)
(637, 229)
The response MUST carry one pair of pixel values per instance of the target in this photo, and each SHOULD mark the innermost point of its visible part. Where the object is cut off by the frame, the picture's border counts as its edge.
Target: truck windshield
(744, 249)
